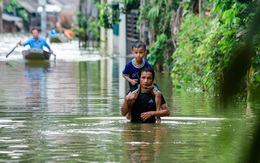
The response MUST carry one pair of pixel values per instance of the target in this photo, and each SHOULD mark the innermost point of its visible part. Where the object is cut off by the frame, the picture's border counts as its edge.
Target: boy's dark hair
(138, 44)
(34, 28)
(147, 69)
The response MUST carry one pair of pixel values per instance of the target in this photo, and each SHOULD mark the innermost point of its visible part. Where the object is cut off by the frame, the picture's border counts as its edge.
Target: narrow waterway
(68, 110)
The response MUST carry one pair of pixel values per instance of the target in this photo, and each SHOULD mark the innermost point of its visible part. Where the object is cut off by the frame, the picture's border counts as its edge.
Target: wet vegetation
(197, 42)
(14, 7)
(210, 46)
(207, 46)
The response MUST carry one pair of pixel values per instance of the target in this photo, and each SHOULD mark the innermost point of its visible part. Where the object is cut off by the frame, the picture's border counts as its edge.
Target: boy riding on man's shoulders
(131, 74)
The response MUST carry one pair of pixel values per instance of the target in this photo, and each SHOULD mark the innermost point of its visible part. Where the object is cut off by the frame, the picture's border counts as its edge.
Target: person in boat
(144, 108)
(130, 73)
(60, 31)
(36, 42)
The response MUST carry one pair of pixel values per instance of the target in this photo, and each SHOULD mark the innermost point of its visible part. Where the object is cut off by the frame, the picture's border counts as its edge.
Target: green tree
(216, 46)
(109, 13)
(15, 8)
(158, 15)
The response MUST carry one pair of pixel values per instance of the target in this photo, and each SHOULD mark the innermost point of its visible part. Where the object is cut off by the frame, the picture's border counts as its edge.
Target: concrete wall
(113, 44)
(106, 36)
(122, 35)
(9, 27)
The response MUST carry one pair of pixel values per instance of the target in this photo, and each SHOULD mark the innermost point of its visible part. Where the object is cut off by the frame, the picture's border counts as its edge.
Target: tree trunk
(175, 24)
(249, 84)
(194, 6)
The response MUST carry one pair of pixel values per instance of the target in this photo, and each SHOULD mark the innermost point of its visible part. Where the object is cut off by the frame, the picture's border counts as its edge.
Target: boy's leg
(158, 100)
(132, 96)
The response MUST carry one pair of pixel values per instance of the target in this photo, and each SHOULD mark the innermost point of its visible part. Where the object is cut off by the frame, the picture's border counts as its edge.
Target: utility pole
(42, 3)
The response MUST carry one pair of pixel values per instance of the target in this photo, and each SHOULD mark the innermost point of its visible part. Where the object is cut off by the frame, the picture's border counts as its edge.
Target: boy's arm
(132, 81)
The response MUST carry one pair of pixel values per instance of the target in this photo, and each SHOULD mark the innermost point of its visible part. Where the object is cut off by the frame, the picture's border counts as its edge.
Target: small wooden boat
(58, 39)
(32, 64)
(36, 54)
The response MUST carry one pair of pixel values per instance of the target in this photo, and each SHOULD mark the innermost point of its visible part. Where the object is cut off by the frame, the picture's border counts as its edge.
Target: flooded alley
(68, 110)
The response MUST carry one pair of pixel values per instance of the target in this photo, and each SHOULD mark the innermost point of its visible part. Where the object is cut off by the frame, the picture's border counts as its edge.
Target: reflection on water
(144, 142)
(68, 110)
(61, 87)
(35, 73)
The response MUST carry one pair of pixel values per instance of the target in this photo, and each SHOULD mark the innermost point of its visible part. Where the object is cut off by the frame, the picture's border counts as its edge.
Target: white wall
(122, 35)
(114, 44)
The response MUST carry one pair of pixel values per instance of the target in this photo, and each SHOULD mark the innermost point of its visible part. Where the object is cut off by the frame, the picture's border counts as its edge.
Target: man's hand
(131, 96)
(20, 43)
(134, 81)
(146, 115)
(50, 51)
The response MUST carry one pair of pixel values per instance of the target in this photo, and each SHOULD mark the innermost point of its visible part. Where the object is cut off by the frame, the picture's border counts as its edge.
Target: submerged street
(68, 109)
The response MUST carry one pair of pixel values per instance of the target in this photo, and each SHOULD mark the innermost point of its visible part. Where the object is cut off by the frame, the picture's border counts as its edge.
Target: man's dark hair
(147, 69)
(138, 44)
(34, 28)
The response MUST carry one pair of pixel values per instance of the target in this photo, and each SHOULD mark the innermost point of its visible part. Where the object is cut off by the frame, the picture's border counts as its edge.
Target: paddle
(54, 56)
(12, 50)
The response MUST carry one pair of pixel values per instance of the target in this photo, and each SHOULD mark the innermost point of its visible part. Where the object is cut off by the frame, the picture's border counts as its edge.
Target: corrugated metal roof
(11, 18)
(29, 5)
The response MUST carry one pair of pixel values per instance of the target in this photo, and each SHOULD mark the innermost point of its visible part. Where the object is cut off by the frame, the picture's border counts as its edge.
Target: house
(34, 10)
(119, 40)
(11, 23)
(57, 10)
(68, 12)
(31, 8)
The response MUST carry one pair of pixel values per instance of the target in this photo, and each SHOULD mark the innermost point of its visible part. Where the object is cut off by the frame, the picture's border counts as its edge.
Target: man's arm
(24, 44)
(125, 107)
(47, 46)
(164, 112)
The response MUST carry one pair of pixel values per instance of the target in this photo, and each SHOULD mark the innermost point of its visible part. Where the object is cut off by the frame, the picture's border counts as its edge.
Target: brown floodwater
(68, 110)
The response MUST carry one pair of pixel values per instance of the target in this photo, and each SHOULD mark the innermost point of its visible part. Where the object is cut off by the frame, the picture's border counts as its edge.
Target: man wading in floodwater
(144, 108)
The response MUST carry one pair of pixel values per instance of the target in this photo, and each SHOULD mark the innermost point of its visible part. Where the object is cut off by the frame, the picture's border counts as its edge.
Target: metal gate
(132, 33)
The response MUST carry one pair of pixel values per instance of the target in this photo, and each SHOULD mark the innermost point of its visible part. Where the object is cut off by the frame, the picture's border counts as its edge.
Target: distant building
(119, 39)
(57, 10)
(68, 11)
(31, 8)
(11, 23)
